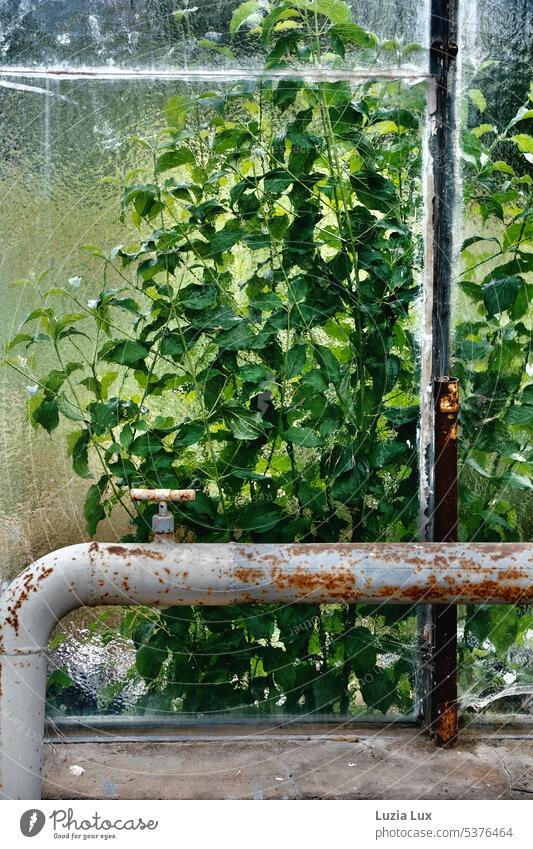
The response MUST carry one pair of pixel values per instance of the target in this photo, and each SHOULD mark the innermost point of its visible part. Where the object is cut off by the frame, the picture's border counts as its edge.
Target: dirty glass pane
(495, 662)
(168, 35)
(232, 663)
(493, 321)
(285, 221)
(61, 151)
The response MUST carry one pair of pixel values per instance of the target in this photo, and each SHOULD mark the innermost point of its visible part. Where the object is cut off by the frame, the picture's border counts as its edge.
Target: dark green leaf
(302, 436)
(500, 294)
(173, 159)
(125, 352)
(94, 510)
(295, 361)
(328, 363)
(243, 423)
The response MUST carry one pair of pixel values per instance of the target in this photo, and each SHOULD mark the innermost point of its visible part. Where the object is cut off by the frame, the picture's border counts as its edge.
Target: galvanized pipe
(164, 573)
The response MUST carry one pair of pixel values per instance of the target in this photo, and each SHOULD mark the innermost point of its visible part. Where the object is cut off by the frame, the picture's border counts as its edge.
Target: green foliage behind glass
(493, 363)
(256, 342)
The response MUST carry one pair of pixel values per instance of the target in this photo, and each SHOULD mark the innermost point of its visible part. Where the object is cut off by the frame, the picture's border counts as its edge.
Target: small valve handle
(163, 494)
(163, 521)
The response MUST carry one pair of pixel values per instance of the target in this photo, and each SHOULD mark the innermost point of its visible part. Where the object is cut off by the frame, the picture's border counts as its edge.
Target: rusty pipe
(163, 573)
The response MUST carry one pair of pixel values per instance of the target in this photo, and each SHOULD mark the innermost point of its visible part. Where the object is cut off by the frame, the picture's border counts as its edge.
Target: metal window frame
(437, 684)
(438, 623)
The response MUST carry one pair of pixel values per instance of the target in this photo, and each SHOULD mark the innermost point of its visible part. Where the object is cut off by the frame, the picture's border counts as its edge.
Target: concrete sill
(300, 762)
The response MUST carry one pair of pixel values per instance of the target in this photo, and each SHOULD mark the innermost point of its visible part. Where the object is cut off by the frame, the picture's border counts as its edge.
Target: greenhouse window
(247, 242)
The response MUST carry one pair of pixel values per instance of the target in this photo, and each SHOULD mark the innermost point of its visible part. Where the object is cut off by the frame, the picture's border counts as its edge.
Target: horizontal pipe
(164, 573)
(163, 494)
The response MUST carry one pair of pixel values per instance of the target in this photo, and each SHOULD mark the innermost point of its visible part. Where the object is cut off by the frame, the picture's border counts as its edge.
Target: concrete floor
(305, 762)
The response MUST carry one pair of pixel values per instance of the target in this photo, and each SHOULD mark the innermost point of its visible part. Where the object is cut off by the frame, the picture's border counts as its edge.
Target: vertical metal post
(443, 67)
(443, 693)
(438, 624)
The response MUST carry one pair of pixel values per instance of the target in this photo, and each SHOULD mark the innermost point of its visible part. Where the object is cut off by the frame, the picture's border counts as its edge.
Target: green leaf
(125, 352)
(523, 142)
(151, 656)
(516, 481)
(173, 159)
(328, 363)
(225, 238)
(473, 240)
(281, 13)
(78, 449)
(189, 433)
(58, 681)
(499, 624)
(177, 108)
(44, 411)
(472, 290)
(315, 380)
(244, 423)
(523, 114)
(360, 650)
(68, 409)
(353, 34)
(105, 415)
(302, 436)
(146, 445)
(260, 517)
(377, 688)
(40, 313)
(500, 294)
(276, 182)
(94, 510)
(241, 14)
(520, 415)
(295, 361)
(374, 191)
(178, 620)
(18, 339)
(504, 627)
(349, 487)
(337, 11)
(254, 373)
(478, 99)
(197, 297)
(386, 453)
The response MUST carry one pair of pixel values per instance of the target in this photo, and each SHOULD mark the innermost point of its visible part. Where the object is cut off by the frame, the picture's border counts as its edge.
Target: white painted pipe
(164, 573)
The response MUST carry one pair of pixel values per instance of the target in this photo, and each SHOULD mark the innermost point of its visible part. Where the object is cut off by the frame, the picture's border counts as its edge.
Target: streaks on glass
(163, 34)
(492, 344)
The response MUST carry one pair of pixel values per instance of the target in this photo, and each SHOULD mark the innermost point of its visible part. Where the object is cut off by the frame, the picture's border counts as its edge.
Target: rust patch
(126, 551)
(447, 395)
(248, 575)
(30, 583)
(446, 725)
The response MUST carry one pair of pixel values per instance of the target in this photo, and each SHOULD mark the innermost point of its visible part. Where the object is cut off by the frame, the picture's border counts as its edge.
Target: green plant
(493, 363)
(256, 342)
